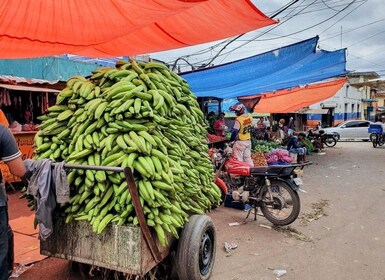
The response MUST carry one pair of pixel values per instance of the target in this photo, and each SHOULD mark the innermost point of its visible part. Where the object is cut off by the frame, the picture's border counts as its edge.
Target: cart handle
(135, 199)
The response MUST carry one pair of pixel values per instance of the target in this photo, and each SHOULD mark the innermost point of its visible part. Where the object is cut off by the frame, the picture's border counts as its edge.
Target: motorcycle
(376, 136)
(329, 140)
(273, 189)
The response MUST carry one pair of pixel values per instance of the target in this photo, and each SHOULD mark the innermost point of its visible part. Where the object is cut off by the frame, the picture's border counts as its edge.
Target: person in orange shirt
(3, 119)
(241, 134)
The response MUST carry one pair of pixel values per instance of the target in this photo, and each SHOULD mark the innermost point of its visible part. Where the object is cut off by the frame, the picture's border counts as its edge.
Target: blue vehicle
(376, 135)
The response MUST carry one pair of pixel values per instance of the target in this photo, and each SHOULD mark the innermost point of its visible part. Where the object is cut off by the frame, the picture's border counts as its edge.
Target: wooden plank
(119, 248)
(139, 213)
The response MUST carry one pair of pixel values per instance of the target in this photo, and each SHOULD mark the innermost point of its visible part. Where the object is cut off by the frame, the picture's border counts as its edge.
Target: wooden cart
(134, 249)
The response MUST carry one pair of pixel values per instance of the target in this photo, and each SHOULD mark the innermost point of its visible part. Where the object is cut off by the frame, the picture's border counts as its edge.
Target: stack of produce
(137, 115)
(259, 159)
(264, 146)
(278, 156)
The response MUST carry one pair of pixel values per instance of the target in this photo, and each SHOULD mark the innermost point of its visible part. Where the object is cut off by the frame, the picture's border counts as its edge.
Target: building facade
(353, 101)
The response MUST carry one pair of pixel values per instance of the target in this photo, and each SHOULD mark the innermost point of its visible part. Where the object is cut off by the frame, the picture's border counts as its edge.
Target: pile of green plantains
(137, 115)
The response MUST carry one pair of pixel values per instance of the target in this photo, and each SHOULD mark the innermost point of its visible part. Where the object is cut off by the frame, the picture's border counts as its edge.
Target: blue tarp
(286, 67)
(46, 68)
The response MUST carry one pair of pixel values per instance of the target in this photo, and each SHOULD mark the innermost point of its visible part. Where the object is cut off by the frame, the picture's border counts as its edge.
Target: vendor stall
(22, 101)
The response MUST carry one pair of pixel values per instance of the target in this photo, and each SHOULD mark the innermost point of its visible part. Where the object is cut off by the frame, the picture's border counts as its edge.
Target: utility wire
(331, 8)
(286, 7)
(272, 28)
(351, 30)
(294, 33)
(344, 16)
(374, 35)
(239, 36)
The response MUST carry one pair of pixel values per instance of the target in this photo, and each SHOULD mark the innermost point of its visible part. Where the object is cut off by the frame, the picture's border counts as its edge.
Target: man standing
(241, 134)
(11, 155)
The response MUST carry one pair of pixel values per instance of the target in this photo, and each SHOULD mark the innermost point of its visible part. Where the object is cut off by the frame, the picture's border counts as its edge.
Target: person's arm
(16, 167)
(10, 153)
(235, 131)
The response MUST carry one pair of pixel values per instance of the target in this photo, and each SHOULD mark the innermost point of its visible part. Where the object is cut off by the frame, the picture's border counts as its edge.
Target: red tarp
(290, 100)
(107, 28)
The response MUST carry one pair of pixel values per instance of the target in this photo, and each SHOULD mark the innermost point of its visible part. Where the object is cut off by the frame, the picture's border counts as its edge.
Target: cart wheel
(196, 249)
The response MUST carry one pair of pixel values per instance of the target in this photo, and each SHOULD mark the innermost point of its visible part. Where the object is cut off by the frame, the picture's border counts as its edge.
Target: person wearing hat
(294, 146)
(220, 125)
(241, 134)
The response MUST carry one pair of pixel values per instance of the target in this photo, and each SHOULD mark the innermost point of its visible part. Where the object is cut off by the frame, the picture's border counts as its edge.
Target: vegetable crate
(131, 249)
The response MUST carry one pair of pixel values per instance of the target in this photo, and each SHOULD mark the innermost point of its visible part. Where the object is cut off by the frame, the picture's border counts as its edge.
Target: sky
(357, 25)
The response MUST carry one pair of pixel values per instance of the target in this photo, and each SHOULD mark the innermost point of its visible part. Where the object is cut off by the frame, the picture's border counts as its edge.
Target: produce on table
(137, 115)
(278, 156)
(258, 159)
(264, 146)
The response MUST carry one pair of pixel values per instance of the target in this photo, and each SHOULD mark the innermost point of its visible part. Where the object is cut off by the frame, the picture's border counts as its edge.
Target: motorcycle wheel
(330, 142)
(381, 141)
(373, 137)
(285, 207)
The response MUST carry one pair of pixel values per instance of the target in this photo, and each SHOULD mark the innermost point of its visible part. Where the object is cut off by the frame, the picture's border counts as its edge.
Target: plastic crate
(375, 128)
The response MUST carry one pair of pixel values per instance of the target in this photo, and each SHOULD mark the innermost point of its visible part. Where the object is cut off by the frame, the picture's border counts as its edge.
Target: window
(351, 124)
(363, 124)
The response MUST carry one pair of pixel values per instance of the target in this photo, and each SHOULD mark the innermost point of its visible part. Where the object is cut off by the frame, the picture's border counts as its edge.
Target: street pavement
(340, 233)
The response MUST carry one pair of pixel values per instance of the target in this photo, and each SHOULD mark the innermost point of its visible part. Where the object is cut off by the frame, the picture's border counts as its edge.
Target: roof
(368, 74)
(377, 84)
(17, 80)
(110, 28)
(286, 67)
(290, 100)
(27, 88)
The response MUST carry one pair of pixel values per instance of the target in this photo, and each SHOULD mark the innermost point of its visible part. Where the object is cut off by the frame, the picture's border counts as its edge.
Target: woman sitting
(294, 146)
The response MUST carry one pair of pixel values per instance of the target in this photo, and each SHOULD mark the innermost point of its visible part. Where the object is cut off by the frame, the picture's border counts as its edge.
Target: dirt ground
(340, 233)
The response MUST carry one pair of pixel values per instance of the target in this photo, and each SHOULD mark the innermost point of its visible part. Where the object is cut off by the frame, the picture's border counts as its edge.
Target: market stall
(22, 101)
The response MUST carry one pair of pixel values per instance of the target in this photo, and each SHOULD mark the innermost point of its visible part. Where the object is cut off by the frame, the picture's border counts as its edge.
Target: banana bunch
(137, 115)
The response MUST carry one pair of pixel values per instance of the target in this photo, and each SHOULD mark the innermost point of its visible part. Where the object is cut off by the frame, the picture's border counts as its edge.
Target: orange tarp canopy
(108, 28)
(290, 100)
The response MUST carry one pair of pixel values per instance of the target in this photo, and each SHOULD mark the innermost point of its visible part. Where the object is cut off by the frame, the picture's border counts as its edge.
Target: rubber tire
(295, 201)
(188, 252)
(374, 140)
(332, 143)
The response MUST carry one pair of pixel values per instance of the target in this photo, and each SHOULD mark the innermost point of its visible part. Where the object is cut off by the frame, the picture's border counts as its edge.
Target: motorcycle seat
(273, 170)
(259, 169)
